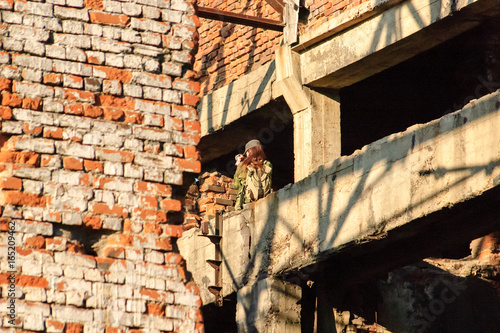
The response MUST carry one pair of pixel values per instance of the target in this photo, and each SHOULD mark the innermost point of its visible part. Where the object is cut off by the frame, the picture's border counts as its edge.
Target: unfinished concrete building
(382, 121)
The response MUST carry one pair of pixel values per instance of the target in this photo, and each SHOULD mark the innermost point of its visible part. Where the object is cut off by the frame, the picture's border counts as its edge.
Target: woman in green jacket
(254, 168)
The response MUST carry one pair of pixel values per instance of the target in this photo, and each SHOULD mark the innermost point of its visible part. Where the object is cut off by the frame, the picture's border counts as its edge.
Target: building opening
(272, 125)
(426, 87)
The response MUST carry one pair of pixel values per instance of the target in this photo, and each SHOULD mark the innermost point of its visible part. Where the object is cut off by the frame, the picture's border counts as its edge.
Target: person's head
(254, 154)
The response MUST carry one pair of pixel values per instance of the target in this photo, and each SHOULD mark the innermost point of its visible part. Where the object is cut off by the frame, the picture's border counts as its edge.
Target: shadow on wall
(423, 296)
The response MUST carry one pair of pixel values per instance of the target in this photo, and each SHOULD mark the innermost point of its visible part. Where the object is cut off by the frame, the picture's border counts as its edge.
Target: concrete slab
(386, 185)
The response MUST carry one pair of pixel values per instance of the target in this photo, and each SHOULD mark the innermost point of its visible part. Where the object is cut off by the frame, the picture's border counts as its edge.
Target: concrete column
(268, 306)
(316, 115)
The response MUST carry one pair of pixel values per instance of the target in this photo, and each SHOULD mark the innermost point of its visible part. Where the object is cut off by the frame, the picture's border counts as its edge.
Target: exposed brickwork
(98, 124)
(213, 192)
(227, 51)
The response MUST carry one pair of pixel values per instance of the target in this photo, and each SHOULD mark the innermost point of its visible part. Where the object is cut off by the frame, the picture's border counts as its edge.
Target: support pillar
(270, 306)
(316, 115)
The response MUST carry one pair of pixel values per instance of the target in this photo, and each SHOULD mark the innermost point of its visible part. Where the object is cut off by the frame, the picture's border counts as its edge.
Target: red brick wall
(98, 126)
(227, 51)
(324, 10)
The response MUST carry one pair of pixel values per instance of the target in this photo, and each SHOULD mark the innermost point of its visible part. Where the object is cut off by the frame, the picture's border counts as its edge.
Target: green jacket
(239, 183)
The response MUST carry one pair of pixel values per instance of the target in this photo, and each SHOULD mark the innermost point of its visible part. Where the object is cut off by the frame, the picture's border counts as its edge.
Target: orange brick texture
(98, 126)
(227, 51)
(213, 192)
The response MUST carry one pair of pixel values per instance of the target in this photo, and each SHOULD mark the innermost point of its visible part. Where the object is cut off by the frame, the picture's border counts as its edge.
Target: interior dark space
(426, 87)
(272, 125)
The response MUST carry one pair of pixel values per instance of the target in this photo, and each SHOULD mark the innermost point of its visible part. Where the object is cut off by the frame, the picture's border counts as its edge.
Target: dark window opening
(221, 319)
(272, 125)
(426, 87)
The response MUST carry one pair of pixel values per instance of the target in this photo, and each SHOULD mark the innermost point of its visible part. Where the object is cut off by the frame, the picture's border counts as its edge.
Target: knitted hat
(251, 144)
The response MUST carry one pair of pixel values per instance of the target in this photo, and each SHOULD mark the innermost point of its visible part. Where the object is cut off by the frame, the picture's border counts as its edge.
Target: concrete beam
(391, 183)
(389, 38)
(240, 97)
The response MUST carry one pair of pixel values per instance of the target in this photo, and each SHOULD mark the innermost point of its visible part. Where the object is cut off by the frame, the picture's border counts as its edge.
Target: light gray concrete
(389, 38)
(386, 184)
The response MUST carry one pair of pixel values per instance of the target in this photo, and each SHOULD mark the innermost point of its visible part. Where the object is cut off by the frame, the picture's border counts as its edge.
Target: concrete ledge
(342, 22)
(237, 99)
(390, 183)
(390, 37)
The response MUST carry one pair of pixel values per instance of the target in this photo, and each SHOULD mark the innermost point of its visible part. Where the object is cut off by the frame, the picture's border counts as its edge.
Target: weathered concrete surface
(389, 38)
(237, 99)
(379, 41)
(235, 246)
(270, 305)
(387, 184)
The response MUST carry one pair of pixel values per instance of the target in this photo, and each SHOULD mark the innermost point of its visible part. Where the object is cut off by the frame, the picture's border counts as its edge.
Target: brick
(12, 100)
(74, 121)
(31, 186)
(34, 8)
(32, 62)
(100, 208)
(76, 109)
(192, 100)
(188, 165)
(73, 81)
(152, 188)
(12, 127)
(53, 133)
(54, 79)
(54, 326)
(109, 45)
(132, 90)
(115, 102)
(131, 9)
(191, 153)
(33, 116)
(30, 173)
(92, 221)
(24, 199)
(150, 159)
(172, 96)
(153, 80)
(94, 166)
(149, 215)
(152, 107)
(69, 67)
(105, 18)
(72, 27)
(172, 69)
(152, 134)
(133, 171)
(171, 205)
(92, 111)
(114, 155)
(113, 169)
(72, 163)
(55, 51)
(35, 145)
(70, 13)
(184, 112)
(19, 157)
(111, 113)
(149, 25)
(95, 57)
(10, 183)
(6, 4)
(74, 149)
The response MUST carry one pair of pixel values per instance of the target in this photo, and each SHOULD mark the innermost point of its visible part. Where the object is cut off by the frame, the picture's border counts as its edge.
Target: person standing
(253, 175)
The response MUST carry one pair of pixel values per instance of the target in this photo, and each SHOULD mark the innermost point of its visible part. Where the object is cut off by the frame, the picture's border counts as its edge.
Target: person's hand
(239, 158)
